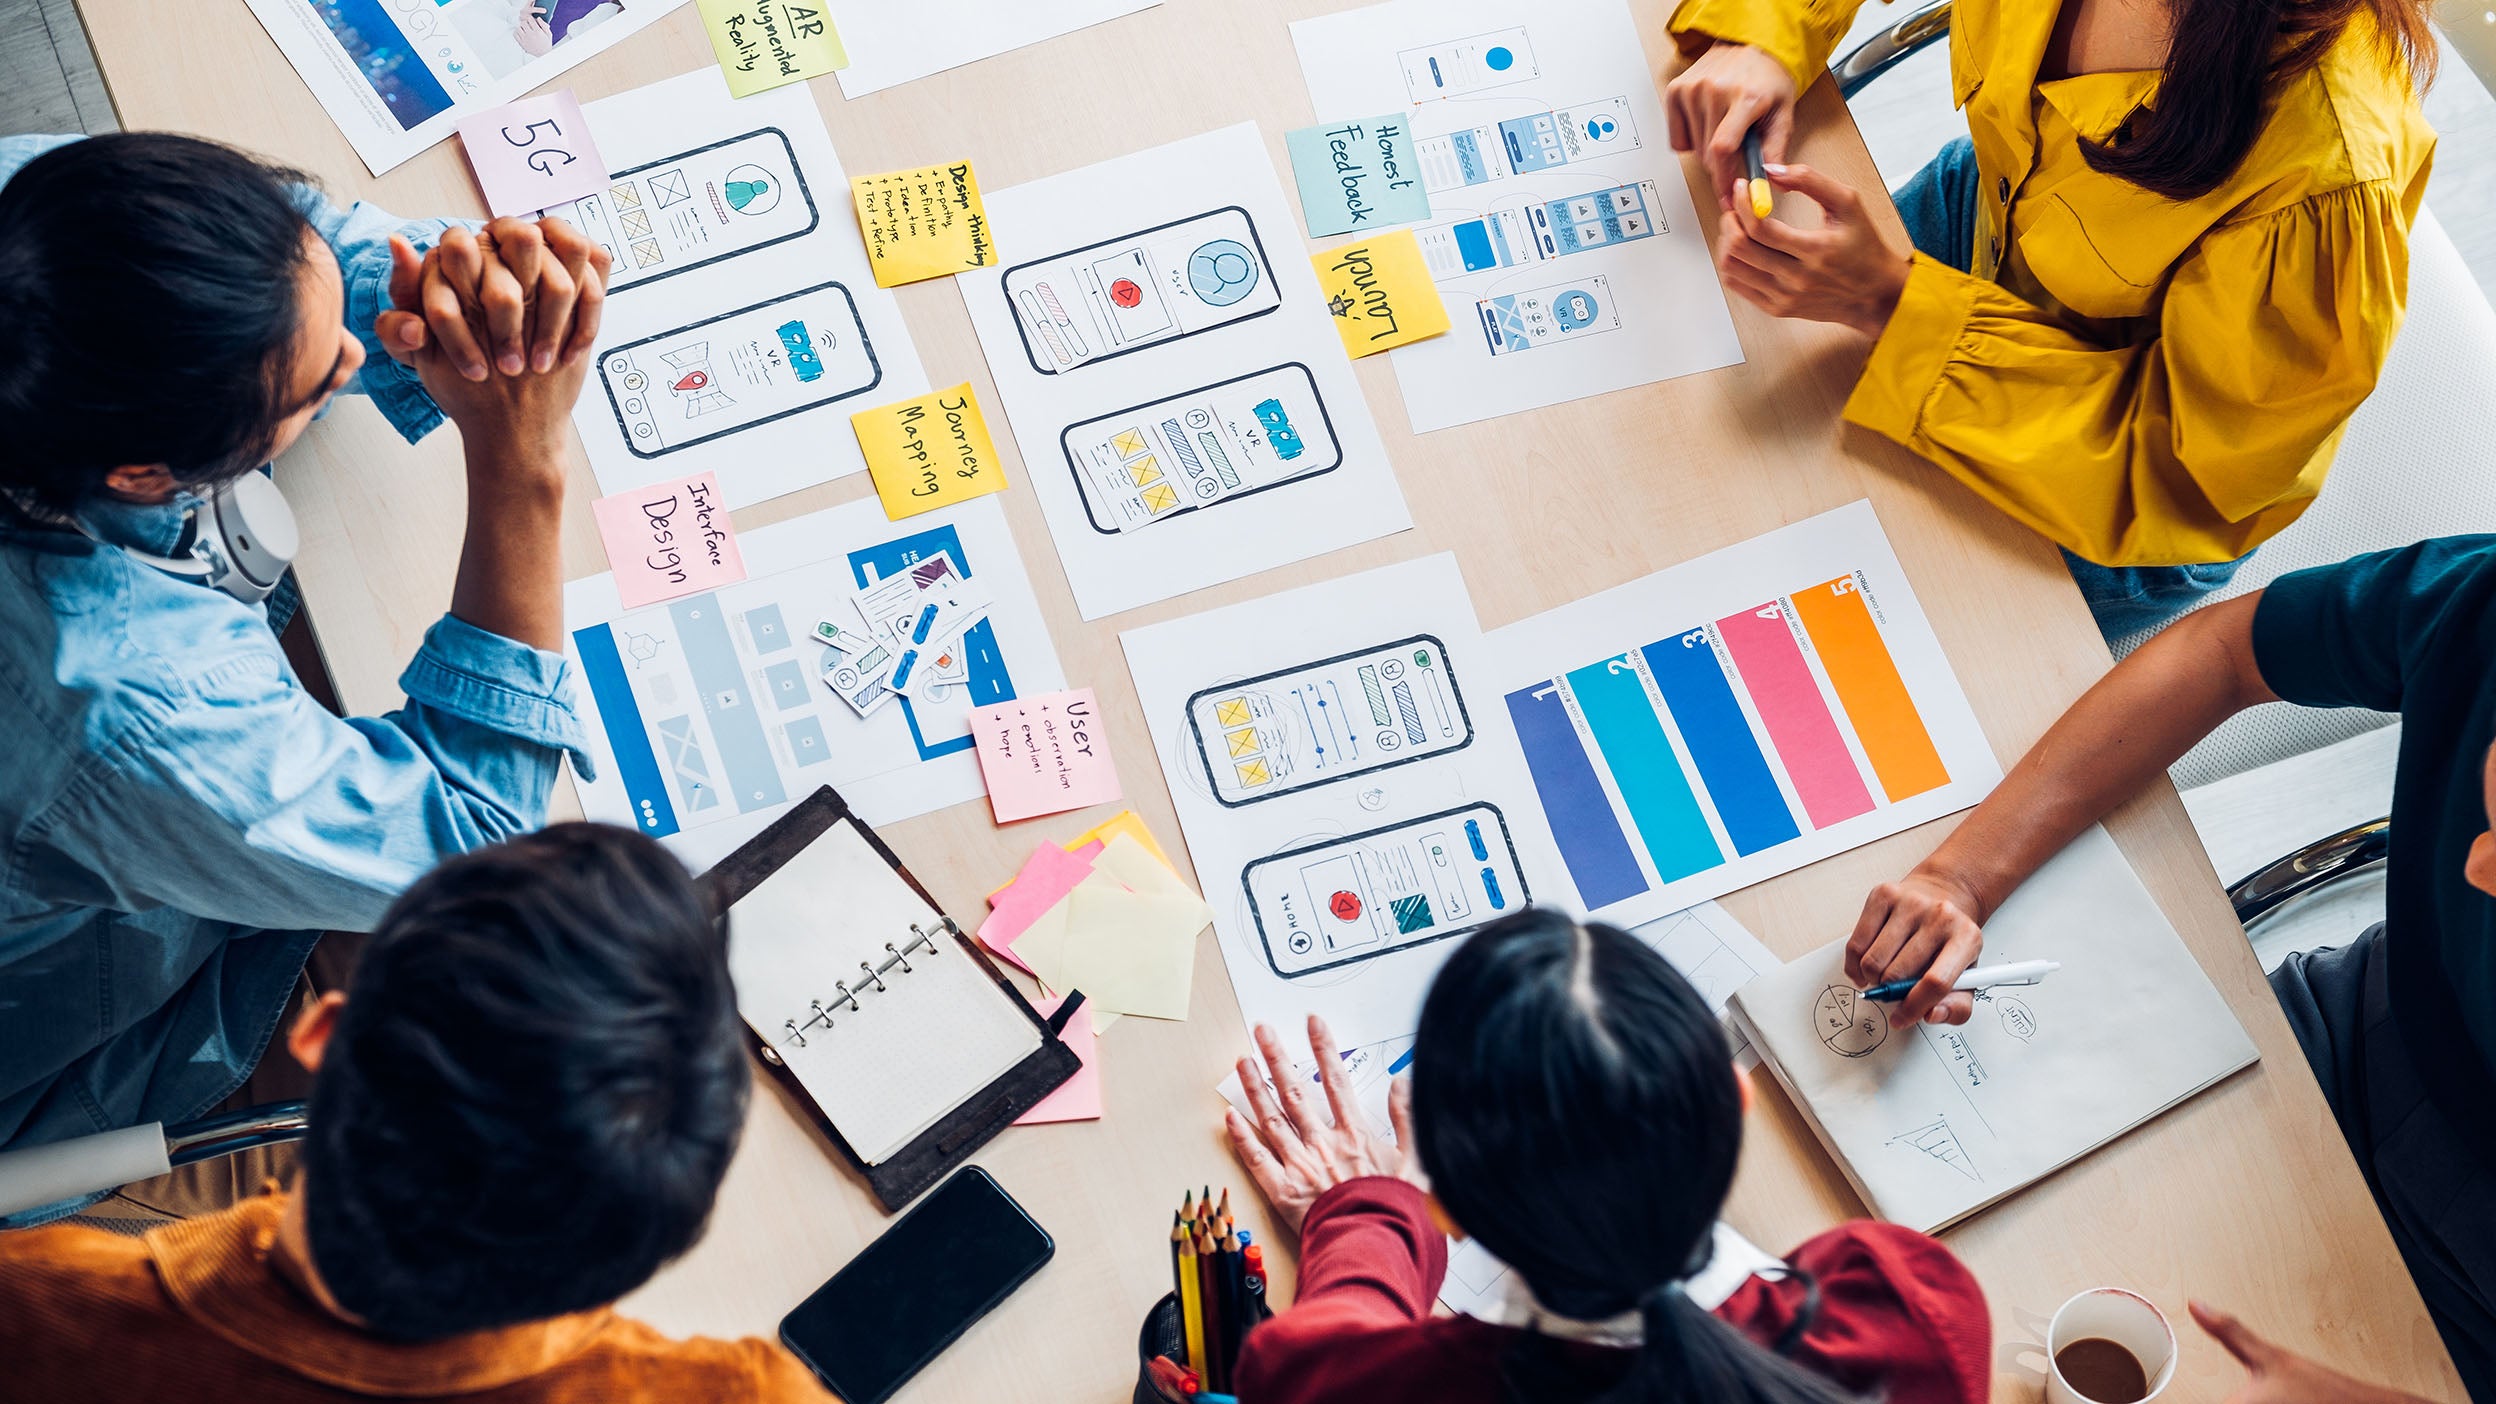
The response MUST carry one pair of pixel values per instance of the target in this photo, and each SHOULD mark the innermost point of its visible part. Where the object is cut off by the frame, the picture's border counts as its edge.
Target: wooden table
(2244, 1197)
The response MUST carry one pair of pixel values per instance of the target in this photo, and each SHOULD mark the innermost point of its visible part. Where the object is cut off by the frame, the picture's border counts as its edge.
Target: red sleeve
(1898, 1315)
(1370, 1260)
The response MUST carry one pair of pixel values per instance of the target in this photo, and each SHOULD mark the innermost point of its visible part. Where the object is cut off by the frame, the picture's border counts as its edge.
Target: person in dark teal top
(2399, 1025)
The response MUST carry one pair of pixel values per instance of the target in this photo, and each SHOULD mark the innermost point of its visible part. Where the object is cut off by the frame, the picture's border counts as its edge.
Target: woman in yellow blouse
(2146, 291)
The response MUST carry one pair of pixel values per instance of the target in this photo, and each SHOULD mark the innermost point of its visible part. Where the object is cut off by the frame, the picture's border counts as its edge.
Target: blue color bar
(621, 715)
(1644, 768)
(1720, 742)
(1590, 839)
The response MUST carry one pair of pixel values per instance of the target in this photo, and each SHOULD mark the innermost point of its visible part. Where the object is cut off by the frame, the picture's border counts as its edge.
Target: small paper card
(930, 452)
(533, 154)
(1044, 754)
(925, 223)
(1380, 293)
(764, 43)
(668, 539)
(1358, 175)
(1079, 1097)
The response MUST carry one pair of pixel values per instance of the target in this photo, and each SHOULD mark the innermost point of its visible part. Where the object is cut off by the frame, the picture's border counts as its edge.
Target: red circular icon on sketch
(1345, 906)
(1125, 293)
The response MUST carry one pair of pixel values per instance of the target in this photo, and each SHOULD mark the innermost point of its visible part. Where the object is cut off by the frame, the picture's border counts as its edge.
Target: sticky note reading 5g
(533, 154)
(929, 452)
(923, 224)
(1381, 293)
(764, 43)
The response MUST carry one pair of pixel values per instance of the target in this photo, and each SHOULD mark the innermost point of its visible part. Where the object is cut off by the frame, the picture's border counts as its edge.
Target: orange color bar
(1868, 686)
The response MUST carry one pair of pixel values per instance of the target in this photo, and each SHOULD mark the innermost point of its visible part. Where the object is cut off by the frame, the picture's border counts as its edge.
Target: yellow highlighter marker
(1762, 194)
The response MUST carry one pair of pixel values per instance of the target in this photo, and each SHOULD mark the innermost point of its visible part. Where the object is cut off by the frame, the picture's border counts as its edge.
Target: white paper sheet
(1351, 794)
(708, 715)
(1560, 228)
(743, 326)
(1737, 716)
(1183, 405)
(1936, 1123)
(398, 77)
(897, 41)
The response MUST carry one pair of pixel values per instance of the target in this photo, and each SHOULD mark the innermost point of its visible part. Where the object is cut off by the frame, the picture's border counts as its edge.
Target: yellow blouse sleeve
(2194, 446)
(1801, 34)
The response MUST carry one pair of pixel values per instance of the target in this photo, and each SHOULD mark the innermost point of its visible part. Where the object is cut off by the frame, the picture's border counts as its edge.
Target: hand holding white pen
(1983, 977)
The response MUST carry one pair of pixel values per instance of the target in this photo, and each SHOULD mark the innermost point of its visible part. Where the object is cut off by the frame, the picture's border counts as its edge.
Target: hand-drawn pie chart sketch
(1849, 1024)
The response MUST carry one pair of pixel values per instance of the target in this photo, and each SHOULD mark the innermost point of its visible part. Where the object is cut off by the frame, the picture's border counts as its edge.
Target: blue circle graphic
(1602, 129)
(1222, 272)
(1500, 60)
(1573, 309)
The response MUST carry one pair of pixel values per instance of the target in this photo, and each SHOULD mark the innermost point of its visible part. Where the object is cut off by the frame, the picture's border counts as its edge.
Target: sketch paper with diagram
(1737, 716)
(1937, 1122)
(1352, 797)
(891, 44)
(1561, 233)
(710, 713)
(743, 325)
(1183, 406)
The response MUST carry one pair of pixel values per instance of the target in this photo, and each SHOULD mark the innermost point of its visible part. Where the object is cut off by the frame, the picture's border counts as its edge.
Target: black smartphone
(917, 1288)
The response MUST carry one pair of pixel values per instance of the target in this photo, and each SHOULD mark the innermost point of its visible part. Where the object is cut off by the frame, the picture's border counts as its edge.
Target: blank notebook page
(931, 1039)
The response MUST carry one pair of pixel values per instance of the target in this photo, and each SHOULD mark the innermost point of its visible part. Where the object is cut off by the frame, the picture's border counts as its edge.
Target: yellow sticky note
(1130, 952)
(764, 43)
(1133, 865)
(1126, 822)
(929, 452)
(1380, 293)
(925, 223)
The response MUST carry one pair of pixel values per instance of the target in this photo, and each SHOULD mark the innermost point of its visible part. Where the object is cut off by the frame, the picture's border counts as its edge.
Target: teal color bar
(1644, 768)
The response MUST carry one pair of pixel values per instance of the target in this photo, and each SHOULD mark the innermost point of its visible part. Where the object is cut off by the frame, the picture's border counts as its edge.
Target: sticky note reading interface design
(668, 539)
(921, 224)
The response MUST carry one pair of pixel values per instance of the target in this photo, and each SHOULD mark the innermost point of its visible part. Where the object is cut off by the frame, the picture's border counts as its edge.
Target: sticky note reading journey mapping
(922, 224)
(929, 452)
(1381, 293)
(1044, 754)
(762, 44)
(533, 154)
(668, 539)
(1358, 176)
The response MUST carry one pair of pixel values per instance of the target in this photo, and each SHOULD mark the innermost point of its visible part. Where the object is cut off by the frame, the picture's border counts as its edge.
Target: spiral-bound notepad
(858, 991)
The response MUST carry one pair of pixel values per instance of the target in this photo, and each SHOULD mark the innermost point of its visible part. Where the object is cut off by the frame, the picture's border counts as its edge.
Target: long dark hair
(2225, 59)
(1575, 1107)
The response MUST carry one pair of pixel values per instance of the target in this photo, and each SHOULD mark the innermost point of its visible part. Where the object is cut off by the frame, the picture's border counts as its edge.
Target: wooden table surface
(2244, 1197)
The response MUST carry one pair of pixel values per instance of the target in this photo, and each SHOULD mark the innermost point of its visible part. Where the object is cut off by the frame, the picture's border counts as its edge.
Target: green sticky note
(764, 43)
(1358, 175)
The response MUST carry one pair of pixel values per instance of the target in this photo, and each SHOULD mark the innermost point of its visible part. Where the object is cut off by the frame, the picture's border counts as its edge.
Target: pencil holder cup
(1163, 1334)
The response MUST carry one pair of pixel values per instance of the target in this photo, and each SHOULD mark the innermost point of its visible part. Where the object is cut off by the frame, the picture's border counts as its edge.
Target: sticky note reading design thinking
(668, 539)
(929, 452)
(1380, 293)
(1358, 176)
(922, 224)
(533, 154)
(1044, 754)
(762, 44)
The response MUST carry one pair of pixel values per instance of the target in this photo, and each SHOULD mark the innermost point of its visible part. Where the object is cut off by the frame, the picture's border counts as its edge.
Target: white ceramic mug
(2110, 1313)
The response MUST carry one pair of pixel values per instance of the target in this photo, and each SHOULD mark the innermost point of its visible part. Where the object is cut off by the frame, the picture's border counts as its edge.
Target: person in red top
(1572, 1106)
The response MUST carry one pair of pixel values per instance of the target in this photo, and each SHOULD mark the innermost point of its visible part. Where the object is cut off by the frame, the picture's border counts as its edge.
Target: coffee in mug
(2102, 1371)
(2108, 1346)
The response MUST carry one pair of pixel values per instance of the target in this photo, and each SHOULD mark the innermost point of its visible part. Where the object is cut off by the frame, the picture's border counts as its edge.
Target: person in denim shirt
(182, 819)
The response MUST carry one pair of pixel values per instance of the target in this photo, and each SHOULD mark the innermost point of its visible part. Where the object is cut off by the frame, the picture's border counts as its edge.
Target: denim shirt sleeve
(360, 236)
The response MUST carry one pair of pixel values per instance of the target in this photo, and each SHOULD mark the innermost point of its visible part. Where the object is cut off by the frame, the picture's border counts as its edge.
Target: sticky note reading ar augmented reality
(762, 44)
(1380, 293)
(929, 452)
(921, 224)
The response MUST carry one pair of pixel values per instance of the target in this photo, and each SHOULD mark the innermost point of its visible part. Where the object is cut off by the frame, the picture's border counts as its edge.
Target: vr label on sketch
(1344, 901)
(1200, 449)
(732, 372)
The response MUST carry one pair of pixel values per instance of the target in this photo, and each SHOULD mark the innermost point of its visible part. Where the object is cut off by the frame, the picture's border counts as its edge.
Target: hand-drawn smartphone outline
(1447, 664)
(1005, 289)
(1488, 315)
(1518, 901)
(814, 213)
(867, 342)
(1325, 416)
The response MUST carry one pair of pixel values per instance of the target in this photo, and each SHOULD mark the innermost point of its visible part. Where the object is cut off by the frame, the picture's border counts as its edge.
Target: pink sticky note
(1044, 754)
(1046, 878)
(533, 154)
(668, 539)
(1079, 1097)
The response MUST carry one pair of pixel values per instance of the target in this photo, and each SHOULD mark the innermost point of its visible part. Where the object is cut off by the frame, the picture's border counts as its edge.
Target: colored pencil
(1191, 1304)
(1209, 1291)
(1234, 1306)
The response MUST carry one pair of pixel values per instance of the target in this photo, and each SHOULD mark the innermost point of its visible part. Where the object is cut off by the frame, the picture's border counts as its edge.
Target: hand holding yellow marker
(1762, 194)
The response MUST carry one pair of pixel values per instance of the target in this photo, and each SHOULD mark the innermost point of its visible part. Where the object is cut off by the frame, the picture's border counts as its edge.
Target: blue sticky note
(1358, 175)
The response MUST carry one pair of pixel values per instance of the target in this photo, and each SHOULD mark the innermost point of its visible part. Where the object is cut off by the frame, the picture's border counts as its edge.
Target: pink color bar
(1799, 724)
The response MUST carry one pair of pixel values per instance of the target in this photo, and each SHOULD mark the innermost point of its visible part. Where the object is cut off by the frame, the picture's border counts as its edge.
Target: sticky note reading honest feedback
(765, 43)
(533, 154)
(668, 539)
(1380, 293)
(929, 452)
(1044, 754)
(922, 224)
(1358, 175)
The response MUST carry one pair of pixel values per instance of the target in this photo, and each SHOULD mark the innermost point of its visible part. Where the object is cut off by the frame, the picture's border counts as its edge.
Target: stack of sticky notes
(1106, 916)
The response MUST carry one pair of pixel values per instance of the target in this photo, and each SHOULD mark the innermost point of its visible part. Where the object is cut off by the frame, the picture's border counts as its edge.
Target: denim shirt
(183, 820)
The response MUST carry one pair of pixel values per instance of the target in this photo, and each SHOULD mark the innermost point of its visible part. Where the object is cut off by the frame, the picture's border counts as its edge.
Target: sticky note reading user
(929, 452)
(1358, 176)
(668, 539)
(533, 154)
(1044, 754)
(764, 43)
(922, 224)
(1380, 293)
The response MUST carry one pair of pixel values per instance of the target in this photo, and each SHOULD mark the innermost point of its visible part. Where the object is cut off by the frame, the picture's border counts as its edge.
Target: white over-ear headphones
(240, 540)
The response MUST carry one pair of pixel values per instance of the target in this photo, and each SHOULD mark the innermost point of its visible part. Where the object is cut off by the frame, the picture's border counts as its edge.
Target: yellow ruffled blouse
(2142, 380)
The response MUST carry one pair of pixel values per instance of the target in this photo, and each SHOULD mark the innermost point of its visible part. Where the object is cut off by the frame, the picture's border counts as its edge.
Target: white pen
(1982, 977)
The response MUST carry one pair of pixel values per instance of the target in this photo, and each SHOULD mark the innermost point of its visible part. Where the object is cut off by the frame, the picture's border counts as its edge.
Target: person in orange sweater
(1574, 1106)
(523, 1107)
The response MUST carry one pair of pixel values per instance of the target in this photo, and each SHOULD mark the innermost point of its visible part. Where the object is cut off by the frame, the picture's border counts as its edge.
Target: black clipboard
(951, 1141)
